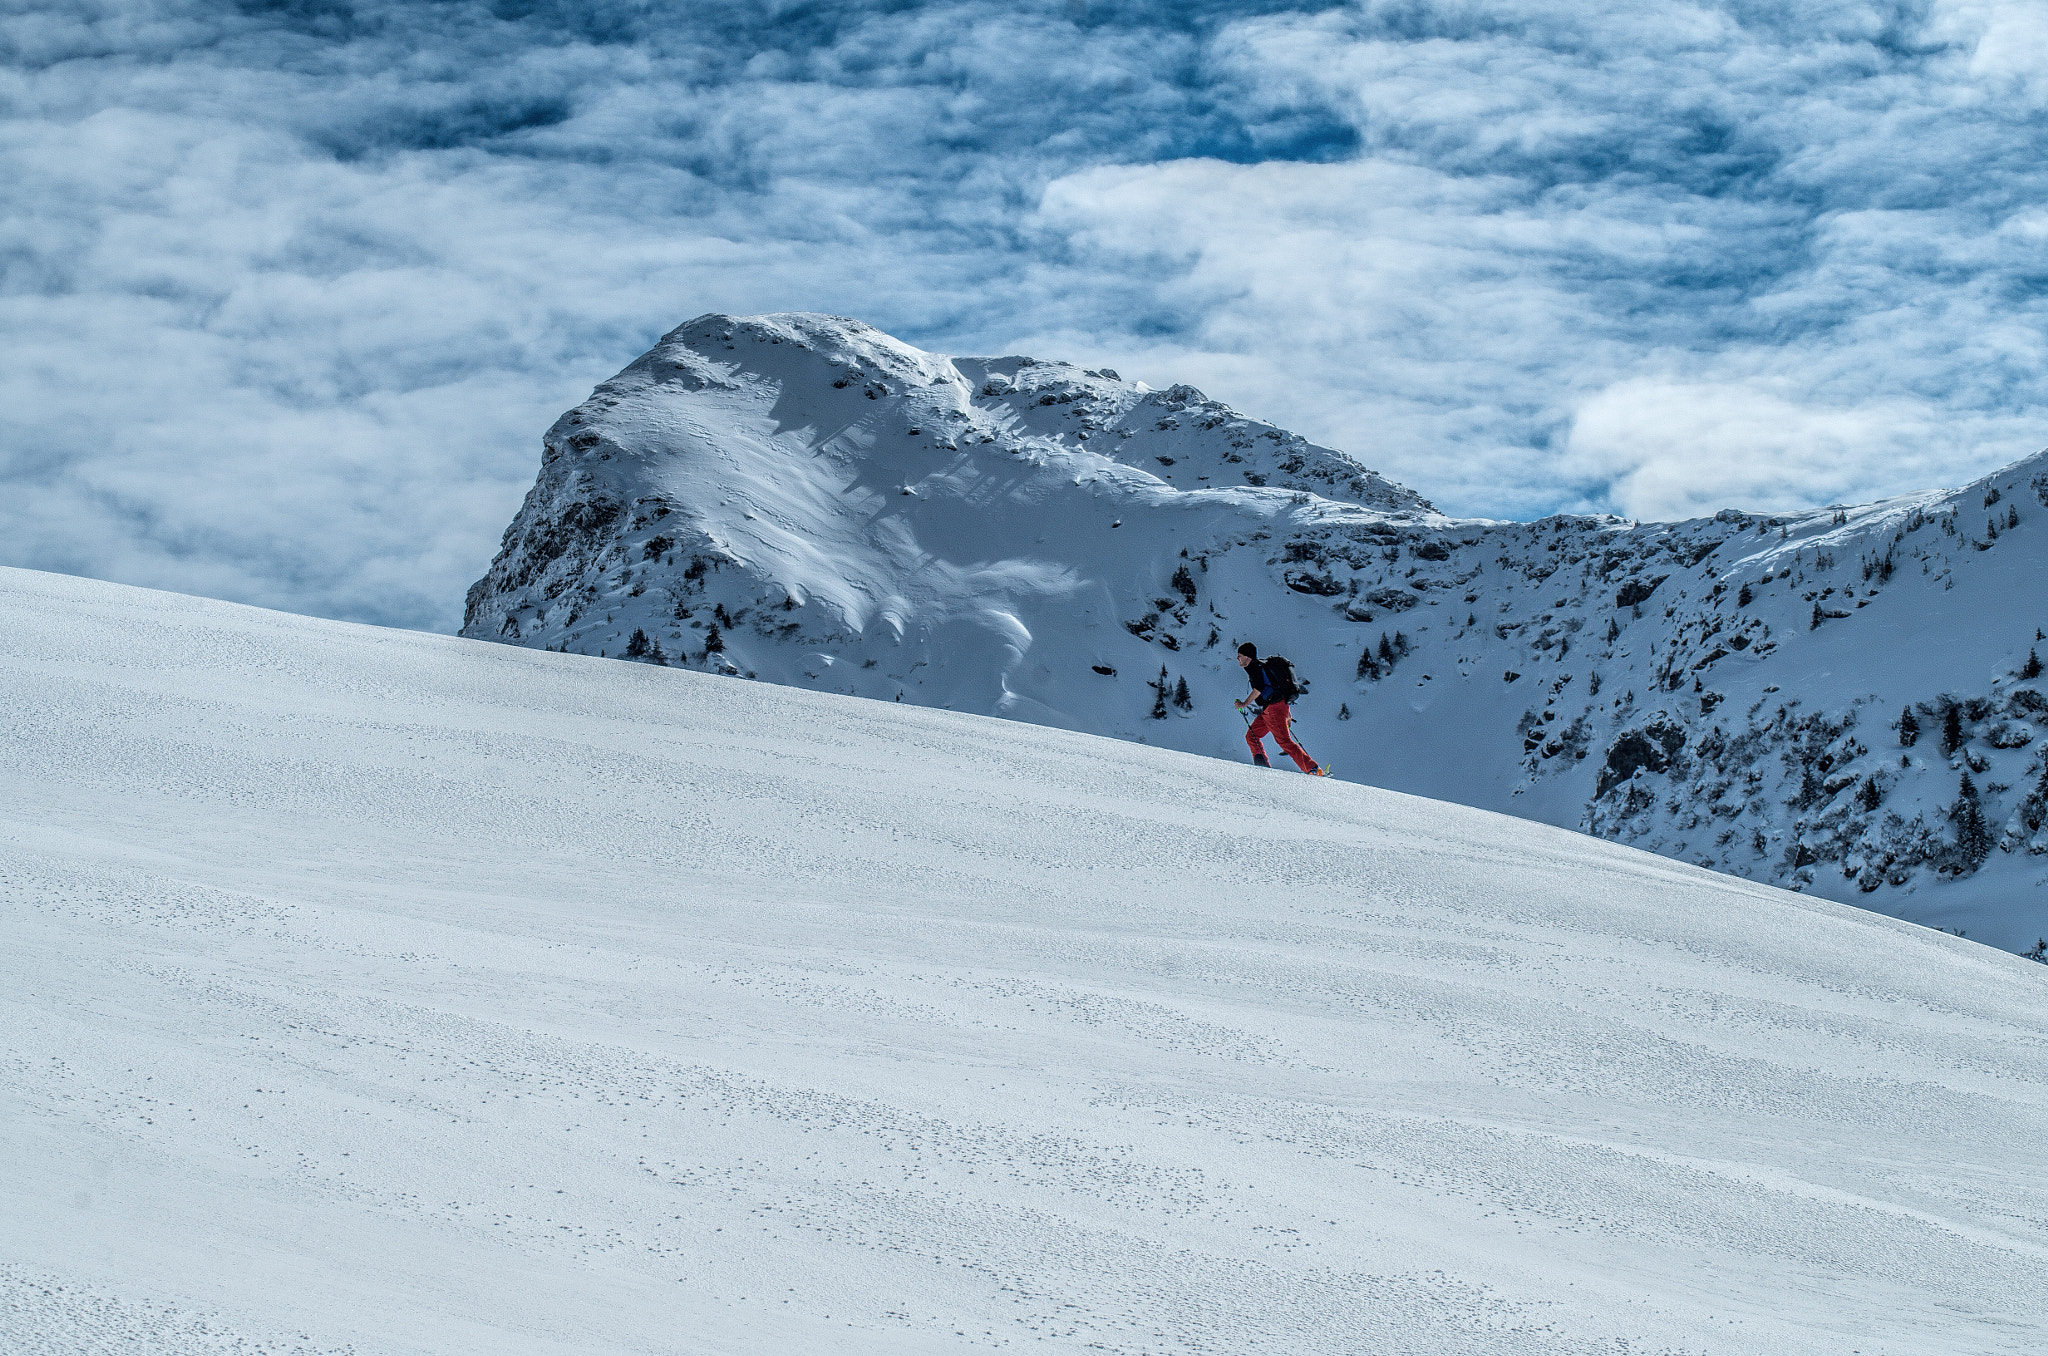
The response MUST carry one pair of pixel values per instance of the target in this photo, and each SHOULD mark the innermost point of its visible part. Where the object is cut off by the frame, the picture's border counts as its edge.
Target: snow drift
(383, 992)
(805, 500)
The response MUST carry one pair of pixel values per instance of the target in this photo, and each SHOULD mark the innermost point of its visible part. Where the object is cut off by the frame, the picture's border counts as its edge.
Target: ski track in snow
(372, 991)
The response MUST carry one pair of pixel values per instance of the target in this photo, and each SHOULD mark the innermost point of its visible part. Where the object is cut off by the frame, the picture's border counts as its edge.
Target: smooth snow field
(376, 991)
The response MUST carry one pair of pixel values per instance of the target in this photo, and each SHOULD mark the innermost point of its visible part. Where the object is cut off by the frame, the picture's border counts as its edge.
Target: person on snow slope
(1272, 689)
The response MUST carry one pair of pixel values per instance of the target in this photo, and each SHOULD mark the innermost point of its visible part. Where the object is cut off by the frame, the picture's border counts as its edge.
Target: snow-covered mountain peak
(891, 494)
(832, 380)
(726, 348)
(806, 500)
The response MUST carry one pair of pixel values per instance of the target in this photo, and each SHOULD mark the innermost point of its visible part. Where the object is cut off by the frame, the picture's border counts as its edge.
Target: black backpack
(1280, 674)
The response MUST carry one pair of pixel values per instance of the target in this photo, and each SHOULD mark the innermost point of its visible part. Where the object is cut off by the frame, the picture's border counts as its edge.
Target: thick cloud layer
(291, 290)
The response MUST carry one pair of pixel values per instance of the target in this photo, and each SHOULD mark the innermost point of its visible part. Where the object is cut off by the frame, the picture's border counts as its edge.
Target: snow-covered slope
(807, 501)
(383, 992)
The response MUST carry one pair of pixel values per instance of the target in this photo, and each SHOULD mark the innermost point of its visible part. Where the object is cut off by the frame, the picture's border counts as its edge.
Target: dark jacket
(1261, 683)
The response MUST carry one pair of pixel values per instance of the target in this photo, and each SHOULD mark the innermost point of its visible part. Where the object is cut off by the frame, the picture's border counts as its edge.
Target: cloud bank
(291, 290)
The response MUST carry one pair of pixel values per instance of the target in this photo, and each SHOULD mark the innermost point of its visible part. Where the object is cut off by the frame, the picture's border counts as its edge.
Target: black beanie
(1248, 649)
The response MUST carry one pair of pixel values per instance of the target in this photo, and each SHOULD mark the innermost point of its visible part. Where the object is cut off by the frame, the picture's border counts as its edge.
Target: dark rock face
(1649, 749)
(1392, 600)
(1321, 585)
(549, 544)
(1638, 591)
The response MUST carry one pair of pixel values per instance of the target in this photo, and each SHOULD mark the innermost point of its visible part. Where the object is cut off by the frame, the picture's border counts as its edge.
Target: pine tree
(656, 656)
(1909, 728)
(2033, 810)
(1871, 795)
(713, 642)
(1159, 695)
(1343, 711)
(1809, 786)
(1815, 625)
(2032, 668)
(1973, 835)
(1180, 695)
(1386, 650)
(1951, 728)
(1366, 668)
(1400, 645)
(1184, 583)
(636, 647)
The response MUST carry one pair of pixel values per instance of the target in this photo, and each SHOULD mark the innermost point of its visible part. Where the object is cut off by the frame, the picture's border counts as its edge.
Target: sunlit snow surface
(386, 992)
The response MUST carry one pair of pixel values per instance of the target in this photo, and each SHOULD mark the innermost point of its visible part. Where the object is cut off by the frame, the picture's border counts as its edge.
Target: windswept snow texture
(802, 499)
(374, 991)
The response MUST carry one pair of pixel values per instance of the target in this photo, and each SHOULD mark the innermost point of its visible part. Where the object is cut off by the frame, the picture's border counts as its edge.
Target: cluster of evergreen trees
(1376, 665)
(640, 646)
(1165, 694)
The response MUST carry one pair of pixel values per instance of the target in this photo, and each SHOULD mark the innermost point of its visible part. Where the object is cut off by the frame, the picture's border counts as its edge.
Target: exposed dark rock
(1638, 591)
(1649, 749)
(1392, 600)
(1323, 585)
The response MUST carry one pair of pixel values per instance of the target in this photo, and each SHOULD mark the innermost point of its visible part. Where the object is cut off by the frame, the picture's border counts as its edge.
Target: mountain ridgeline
(1847, 701)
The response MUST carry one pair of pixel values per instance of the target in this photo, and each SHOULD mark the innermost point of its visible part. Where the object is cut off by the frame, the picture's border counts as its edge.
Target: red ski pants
(1273, 721)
